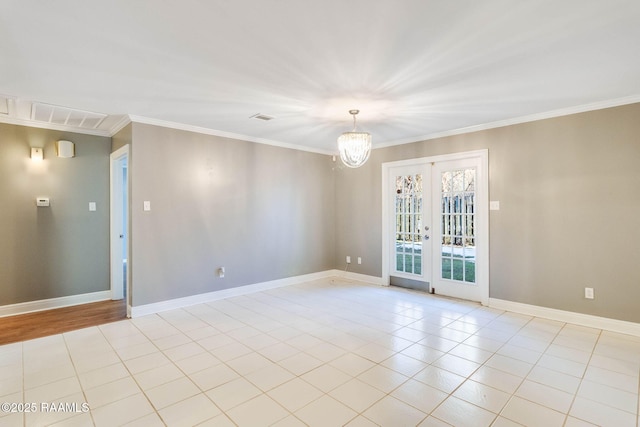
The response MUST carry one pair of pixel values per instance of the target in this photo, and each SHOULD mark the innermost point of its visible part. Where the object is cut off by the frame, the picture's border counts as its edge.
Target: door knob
(122, 236)
(426, 237)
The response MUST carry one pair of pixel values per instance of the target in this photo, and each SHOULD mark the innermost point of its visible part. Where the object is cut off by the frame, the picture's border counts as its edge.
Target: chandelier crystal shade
(354, 147)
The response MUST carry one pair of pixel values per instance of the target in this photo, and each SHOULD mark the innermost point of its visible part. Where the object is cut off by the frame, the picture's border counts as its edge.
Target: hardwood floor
(28, 326)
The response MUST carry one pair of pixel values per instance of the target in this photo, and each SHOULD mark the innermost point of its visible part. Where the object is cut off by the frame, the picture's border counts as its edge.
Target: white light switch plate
(92, 206)
(146, 205)
(494, 205)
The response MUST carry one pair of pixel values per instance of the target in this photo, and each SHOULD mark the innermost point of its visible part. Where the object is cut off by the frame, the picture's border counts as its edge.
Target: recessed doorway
(119, 227)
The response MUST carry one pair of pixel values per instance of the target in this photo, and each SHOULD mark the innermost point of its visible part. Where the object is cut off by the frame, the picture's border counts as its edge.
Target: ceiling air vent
(4, 104)
(262, 117)
(66, 116)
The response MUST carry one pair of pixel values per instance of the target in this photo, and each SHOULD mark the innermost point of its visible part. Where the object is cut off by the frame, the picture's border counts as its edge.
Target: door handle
(426, 237)
(122, 236)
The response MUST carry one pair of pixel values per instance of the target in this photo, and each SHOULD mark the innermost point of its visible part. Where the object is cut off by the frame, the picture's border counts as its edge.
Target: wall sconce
(37, 154)
(65, 149)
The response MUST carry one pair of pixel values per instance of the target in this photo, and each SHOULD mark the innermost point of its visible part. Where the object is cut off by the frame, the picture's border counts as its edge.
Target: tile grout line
(24, 385)
(638, 404)
(75, 369)
(313, 318)
(129, 321)
(499, 414)
(575, 395)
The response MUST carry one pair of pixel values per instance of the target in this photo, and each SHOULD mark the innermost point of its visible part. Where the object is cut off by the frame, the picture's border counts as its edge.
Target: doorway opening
(119, 227)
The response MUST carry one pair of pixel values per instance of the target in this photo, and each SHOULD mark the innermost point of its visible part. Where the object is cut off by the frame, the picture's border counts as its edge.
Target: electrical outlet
(359, 260)
(588, 293)
(348, 259)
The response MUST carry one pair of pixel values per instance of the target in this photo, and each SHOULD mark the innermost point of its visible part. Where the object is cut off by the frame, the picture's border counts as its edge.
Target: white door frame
(482, 256)
(116, 226)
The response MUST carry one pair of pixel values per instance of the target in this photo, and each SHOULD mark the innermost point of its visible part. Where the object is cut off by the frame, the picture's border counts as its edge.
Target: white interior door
(119, 227)
(435, 215)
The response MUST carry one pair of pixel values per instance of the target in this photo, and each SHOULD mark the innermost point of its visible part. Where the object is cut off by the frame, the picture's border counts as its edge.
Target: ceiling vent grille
(5, 102)
(262, 117)
(66, 116)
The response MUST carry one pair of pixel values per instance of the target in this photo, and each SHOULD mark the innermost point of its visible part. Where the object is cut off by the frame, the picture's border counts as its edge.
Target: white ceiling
(415, 68)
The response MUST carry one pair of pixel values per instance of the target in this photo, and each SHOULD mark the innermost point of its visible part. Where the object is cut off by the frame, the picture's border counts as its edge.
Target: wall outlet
(359, 260)
(588, 293)
(42, 201)
(348, 259)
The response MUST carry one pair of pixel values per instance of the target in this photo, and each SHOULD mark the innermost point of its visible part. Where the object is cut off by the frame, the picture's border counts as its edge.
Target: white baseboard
(49, 304)
(358, 277)
(157, 307)
(621, 326)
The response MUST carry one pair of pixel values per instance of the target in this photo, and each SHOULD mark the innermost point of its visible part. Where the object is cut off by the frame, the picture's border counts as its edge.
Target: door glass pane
(469, 203)
(417, 265)
(408, 213)
(446, 225)
(408, 263)
(457, 180)
(446, 268)
(457, 220)
(470, 180)
(446, 182)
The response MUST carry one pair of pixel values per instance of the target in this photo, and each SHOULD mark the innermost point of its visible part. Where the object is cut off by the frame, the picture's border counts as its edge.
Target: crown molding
(126, 119)
(213, 132)
(119, 125)
(600, 105)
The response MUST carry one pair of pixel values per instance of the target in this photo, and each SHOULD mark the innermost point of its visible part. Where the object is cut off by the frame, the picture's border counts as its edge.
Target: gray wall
(260, 211)
(61, 250)
(570, 206)
(123, 137)
(568, 189)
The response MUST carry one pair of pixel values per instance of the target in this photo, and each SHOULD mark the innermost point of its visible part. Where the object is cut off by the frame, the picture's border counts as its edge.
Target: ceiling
(415, 68)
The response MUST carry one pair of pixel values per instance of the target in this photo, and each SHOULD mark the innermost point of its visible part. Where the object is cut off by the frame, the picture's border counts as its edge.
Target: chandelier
(355, 147)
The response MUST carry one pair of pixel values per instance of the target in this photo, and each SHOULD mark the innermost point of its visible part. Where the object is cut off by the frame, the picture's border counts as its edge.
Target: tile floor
(327, 353)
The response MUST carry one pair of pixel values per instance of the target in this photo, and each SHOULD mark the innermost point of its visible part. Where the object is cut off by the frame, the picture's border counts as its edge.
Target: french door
(436, 224)
(410, 187)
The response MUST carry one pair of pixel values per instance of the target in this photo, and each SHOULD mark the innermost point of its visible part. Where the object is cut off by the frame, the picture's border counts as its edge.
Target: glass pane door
(408, 214)
(459, 241)
(458, 219)
(409, 186)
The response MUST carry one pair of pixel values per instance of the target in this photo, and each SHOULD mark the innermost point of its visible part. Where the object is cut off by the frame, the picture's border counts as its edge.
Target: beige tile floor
(327, 353)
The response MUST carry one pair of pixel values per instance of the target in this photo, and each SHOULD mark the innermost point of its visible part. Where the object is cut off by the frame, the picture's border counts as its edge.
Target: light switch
(494, 205)
(146, 205)
(92, 206)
